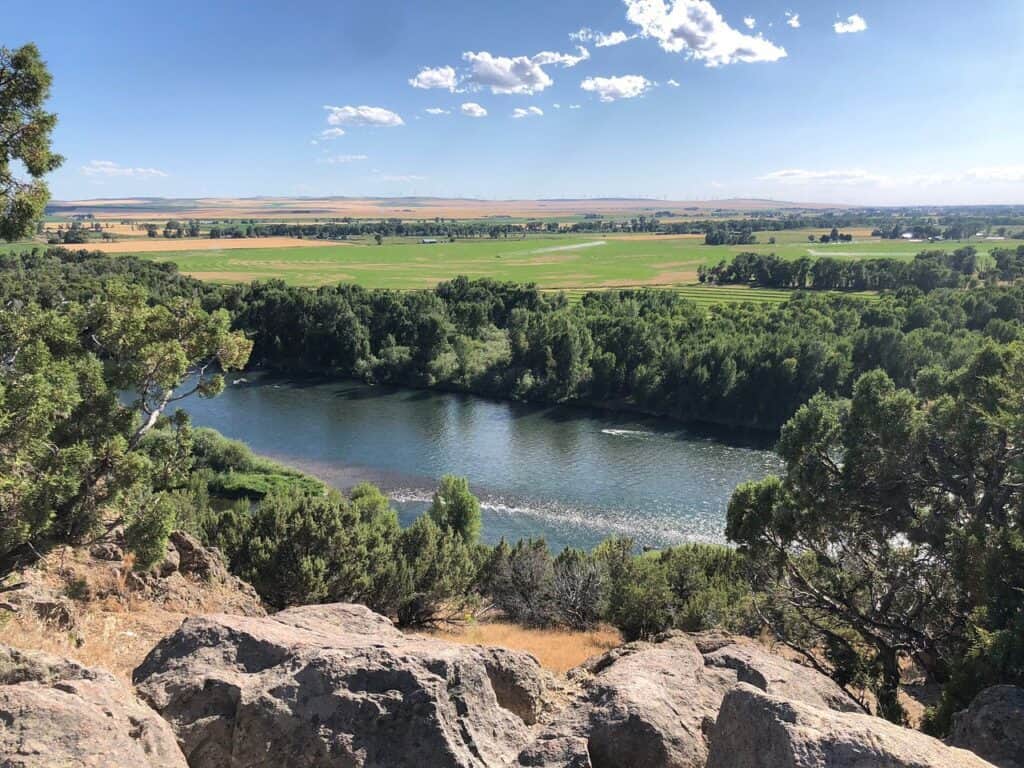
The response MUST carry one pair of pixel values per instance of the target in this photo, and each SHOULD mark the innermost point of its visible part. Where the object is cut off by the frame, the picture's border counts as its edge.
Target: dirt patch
(558, 650)
(157, 244)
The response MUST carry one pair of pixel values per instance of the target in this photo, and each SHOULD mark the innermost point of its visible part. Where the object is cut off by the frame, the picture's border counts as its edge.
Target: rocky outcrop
(55, 712)
(993, 726)
(757, 730)
(190, 578)
(337, 685)
(653, 704)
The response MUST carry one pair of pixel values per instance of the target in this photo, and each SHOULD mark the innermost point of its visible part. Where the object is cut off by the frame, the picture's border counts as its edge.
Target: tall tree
(25, 129)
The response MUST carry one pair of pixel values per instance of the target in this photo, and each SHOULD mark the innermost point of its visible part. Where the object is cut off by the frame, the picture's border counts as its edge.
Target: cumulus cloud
(854, 23)
(517, 74)
(435, 77)
(599, 39)
(519, 113)
(332, 133)
(575, 106)
(472, 109)
(749, 22)
(437, 111)
(109, 168)
(697, 30)
(672, 83)
(793, 19)
(615, 88)
(371, 116)
(343, 159)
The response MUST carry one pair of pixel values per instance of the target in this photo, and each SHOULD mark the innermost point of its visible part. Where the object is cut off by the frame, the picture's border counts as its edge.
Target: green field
(553, 262)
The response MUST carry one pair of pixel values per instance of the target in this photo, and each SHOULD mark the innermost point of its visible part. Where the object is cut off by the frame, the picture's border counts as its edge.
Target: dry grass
(114, 637)
(557, 650)
(114, 627)
(160, 244)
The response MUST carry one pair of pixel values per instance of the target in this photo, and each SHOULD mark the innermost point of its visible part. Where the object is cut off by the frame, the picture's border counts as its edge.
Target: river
(573, 476)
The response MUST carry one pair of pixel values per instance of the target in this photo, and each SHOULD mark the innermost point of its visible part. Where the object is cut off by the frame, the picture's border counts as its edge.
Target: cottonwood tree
(25, 129)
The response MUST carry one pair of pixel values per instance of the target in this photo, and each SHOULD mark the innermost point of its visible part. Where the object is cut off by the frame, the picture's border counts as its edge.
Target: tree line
(928, 271)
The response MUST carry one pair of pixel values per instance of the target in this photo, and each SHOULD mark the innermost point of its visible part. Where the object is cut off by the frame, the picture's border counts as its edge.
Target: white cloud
(1002, 173)
(109, 168)
(749, 22)
(672, 83)
(472, 109)
(519, 113)
(801, 176)
(332, 133)
(599, 39)
(372, 116)
(437, 111)
(402, 178)
(518, 74)
(556, 106)
(998, 174)
(343, 159)
(575, 106)
(854, 23)
(697, 30)
(793, 19)
(615, 88)
(435, 77)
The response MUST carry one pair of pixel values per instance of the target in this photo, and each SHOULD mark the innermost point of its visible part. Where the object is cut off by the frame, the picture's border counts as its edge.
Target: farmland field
(553, 262)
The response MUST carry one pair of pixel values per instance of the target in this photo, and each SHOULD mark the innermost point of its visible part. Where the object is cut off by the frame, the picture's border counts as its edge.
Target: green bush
(149, 519)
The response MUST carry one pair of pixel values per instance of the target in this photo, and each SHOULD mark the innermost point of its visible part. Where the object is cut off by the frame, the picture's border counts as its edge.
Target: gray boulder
(653, 704)
(55, 712)
(338, 685)
(993, 726)
(757, 730)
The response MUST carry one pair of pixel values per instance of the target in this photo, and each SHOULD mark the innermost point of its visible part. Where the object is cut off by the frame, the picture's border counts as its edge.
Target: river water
(573, 476)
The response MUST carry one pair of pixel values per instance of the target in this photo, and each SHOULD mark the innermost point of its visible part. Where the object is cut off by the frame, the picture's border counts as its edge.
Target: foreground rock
(337, 685)
(758, 730)
(653, 704)
(55, 712)
(993, 726)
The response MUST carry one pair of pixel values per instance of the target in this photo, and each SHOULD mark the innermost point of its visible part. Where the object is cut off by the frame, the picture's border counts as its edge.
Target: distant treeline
(648, 350)
(927, 271)
(716, 231)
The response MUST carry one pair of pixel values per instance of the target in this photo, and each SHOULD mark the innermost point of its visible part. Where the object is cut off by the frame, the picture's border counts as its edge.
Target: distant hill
(407, 207)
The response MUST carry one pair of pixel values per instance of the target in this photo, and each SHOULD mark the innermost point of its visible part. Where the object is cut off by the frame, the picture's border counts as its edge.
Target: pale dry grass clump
(114, 637)
(557, 650)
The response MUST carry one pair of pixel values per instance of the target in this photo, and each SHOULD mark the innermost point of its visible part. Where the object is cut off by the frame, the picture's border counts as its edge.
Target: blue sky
(865, 101)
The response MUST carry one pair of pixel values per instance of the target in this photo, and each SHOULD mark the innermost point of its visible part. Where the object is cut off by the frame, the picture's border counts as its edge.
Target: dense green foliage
(897, 531)
(928, 270)
(25, 129)
(647, 350)
(69, 447)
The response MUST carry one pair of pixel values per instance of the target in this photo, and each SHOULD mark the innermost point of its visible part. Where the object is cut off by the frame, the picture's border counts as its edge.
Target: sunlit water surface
(573, 476)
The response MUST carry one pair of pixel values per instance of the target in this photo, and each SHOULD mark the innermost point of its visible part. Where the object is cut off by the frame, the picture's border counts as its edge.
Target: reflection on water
(572, 476)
